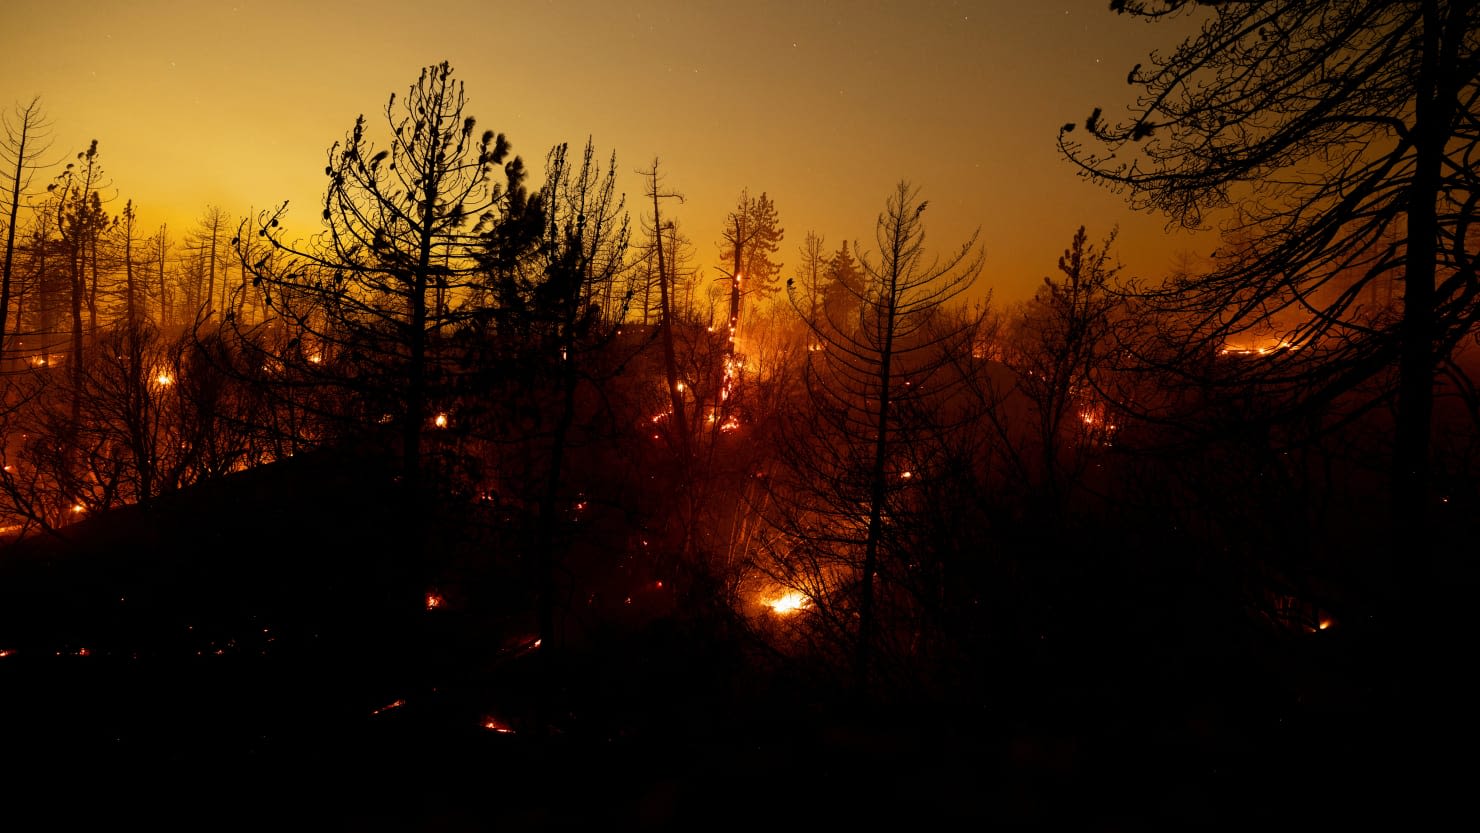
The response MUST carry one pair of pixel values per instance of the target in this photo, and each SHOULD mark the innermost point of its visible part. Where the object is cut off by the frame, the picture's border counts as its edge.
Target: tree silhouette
(207, 242)
(811, 275)
(81, 221)
(750, 237)
(551, 267)
(847, 471)
(1335, 141)
(1057, 348)
(21, 151)
(841, 293)
(667, 309)
(371, 299)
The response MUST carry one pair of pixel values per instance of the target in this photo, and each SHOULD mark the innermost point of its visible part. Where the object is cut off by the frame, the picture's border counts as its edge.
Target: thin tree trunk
(15, 206)
(1434, 110)
(878, 482)
(164, 301)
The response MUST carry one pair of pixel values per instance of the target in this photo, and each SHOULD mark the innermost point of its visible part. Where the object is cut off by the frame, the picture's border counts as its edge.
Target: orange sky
(823, 104)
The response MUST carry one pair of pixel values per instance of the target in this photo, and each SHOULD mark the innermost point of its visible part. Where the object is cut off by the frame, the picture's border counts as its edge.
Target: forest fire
(904, 476)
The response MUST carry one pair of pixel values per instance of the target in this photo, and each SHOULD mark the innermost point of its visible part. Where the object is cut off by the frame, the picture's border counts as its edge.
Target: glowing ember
(1325, 623)
(1261, 347)
(789, 603)
(434, 600)
(6, 652)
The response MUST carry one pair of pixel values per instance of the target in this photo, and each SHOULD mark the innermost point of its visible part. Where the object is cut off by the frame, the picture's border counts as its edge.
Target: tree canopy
(1333, 141)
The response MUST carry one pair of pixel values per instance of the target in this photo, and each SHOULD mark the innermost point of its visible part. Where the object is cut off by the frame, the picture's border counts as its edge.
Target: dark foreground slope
(251, 654)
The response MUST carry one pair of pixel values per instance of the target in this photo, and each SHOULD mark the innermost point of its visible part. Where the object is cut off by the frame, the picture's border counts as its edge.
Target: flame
(434, 600)
(1259, 347)
(732, 368)
(789, 602)
(395, 704)
(493, 724)
(440, 420)
(164, 379)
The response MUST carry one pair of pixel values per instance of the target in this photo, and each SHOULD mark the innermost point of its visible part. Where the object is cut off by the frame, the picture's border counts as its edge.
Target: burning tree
(842, 498)
(751, 235)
